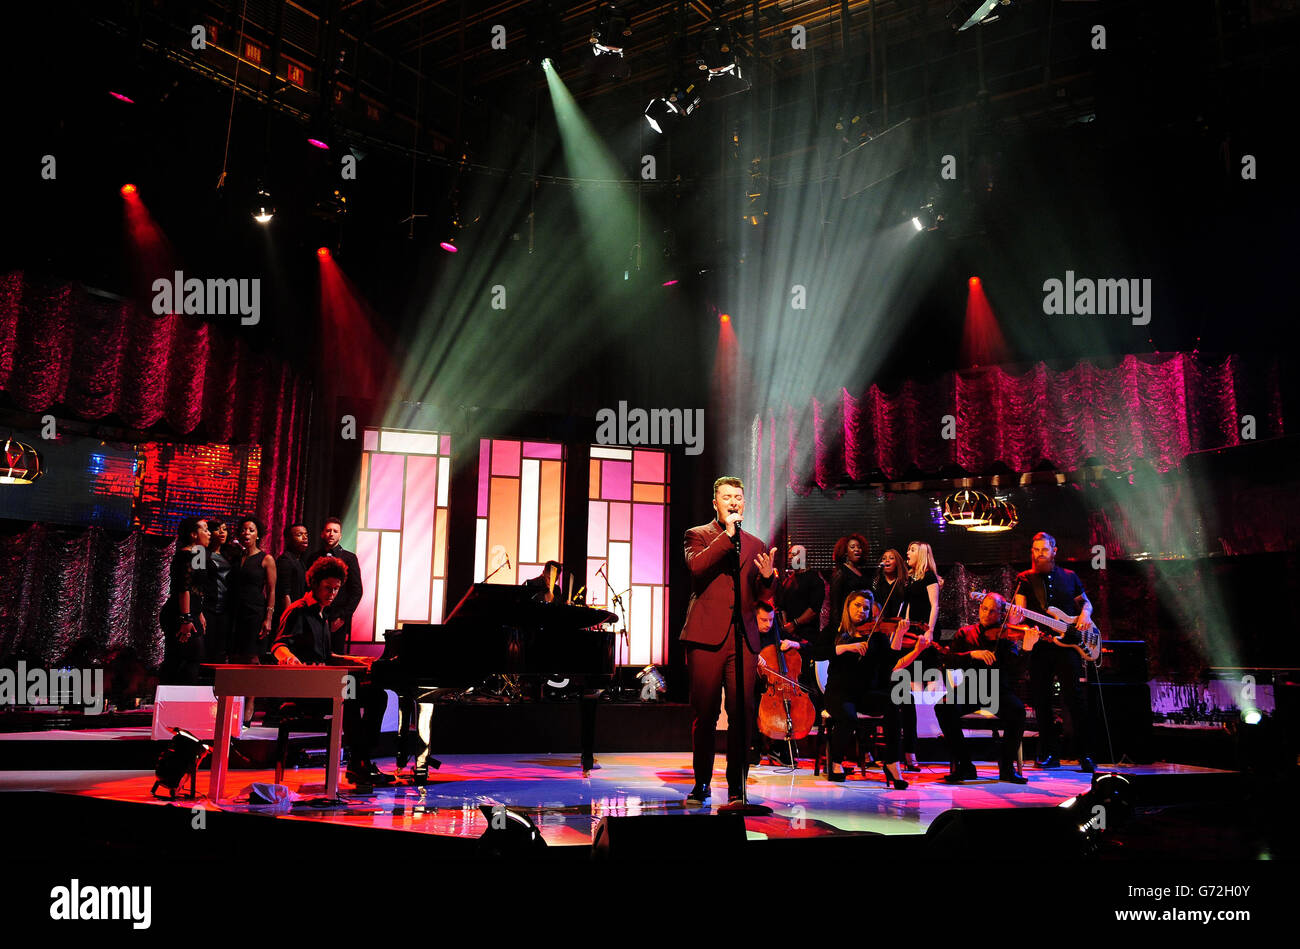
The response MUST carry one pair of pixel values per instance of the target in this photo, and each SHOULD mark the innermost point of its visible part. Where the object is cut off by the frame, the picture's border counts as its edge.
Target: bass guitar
(1060, 623)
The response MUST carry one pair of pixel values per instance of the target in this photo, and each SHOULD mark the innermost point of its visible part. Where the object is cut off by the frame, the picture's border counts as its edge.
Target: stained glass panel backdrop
(627, 534)
(401, 530)
(520, 509)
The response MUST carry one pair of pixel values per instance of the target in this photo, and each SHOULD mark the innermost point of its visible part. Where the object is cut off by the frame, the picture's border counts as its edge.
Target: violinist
(860, 680)
(980, 649)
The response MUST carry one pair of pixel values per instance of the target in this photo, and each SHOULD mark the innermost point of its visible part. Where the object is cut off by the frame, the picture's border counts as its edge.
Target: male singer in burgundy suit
(709, 637)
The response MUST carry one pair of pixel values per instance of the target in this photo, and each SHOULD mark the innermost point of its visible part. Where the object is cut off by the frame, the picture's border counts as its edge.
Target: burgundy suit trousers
(709, 667)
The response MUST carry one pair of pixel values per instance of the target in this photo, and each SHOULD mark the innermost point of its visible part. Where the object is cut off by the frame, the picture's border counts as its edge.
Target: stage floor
(566, 806)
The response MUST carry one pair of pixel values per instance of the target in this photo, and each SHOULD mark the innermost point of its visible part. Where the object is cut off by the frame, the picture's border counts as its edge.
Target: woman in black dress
(182, 615)
(890, 589)
(850, 553)
(920, 605)
(254, 588)
(218, 603)
(861, 679)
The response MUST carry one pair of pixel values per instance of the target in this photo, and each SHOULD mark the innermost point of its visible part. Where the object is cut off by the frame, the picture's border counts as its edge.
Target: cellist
(769, 636)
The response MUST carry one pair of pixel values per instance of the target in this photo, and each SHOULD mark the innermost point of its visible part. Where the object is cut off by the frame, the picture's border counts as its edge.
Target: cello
(785, 713)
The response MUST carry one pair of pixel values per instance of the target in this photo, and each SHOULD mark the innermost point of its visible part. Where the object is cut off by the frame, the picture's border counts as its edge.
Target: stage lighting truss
(968, 13)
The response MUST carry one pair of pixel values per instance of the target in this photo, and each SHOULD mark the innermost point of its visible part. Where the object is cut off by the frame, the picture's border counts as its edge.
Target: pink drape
(1153, 409)
(74, 355)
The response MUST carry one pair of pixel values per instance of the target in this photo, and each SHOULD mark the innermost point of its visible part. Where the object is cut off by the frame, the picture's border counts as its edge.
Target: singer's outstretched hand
(764, 563)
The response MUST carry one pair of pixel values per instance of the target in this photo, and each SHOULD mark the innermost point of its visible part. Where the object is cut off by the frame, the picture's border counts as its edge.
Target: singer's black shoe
(733, 797)
(367, 774)
(953, 777)
(1011, 777)
(1086, 765)
(968, 772)
(699, 794)
(1051, 761)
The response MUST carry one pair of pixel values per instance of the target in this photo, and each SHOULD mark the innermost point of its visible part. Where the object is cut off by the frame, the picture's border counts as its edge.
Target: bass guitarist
(1042, 586)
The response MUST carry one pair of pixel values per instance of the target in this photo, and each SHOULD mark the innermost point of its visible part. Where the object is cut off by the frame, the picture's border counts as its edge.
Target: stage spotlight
(724, 318)
(670, 283)
(1106, 805)
(1252, 716)
(317, 143)
(121, 98)
(179, 760)
(607, 59)
(927, 218)
(658, 113)
(973, 282)
(263, 209)
(322, 252)
(449, 245)
(547, 64)
(968, 13)
(127, 190)
(508, 832)
(681, 102)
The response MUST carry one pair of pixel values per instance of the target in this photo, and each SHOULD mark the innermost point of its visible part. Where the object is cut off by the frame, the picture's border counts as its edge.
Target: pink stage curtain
(75, 595)
(1152, 409)
(74, 355)
(65, 352)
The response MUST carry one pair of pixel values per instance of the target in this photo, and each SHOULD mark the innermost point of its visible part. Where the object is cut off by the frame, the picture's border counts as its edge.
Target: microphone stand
(742, 806)
(618, 693)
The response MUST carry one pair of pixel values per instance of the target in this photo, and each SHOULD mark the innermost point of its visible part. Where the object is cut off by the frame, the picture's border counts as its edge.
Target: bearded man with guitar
(1059, 652)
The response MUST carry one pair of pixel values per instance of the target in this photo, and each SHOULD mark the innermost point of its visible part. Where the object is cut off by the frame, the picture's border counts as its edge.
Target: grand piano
(494, 630)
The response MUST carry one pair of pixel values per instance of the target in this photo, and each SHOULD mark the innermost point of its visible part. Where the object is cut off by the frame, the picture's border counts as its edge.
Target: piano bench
(296, 717)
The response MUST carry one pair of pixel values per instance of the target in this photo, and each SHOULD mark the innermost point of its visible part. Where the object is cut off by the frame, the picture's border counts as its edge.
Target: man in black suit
(340, 611)
(709, 635)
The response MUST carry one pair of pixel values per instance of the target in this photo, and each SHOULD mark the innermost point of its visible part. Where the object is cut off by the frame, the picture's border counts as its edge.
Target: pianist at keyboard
(304, 639)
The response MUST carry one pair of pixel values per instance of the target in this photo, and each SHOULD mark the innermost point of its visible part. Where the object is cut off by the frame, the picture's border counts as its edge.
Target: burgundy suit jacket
(709, 557)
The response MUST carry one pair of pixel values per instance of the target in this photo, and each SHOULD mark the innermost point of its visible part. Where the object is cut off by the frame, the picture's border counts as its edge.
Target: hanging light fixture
(20, 463)
(967, 507)
(1002, 518)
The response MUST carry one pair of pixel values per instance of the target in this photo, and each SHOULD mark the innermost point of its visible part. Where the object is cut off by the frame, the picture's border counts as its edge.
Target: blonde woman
(920, 605)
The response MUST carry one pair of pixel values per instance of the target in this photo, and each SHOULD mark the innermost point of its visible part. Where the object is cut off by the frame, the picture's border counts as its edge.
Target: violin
(785, 712)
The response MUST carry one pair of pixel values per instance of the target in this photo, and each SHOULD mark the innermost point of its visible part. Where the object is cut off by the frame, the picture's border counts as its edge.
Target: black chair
(295, 717)
(869, 735)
